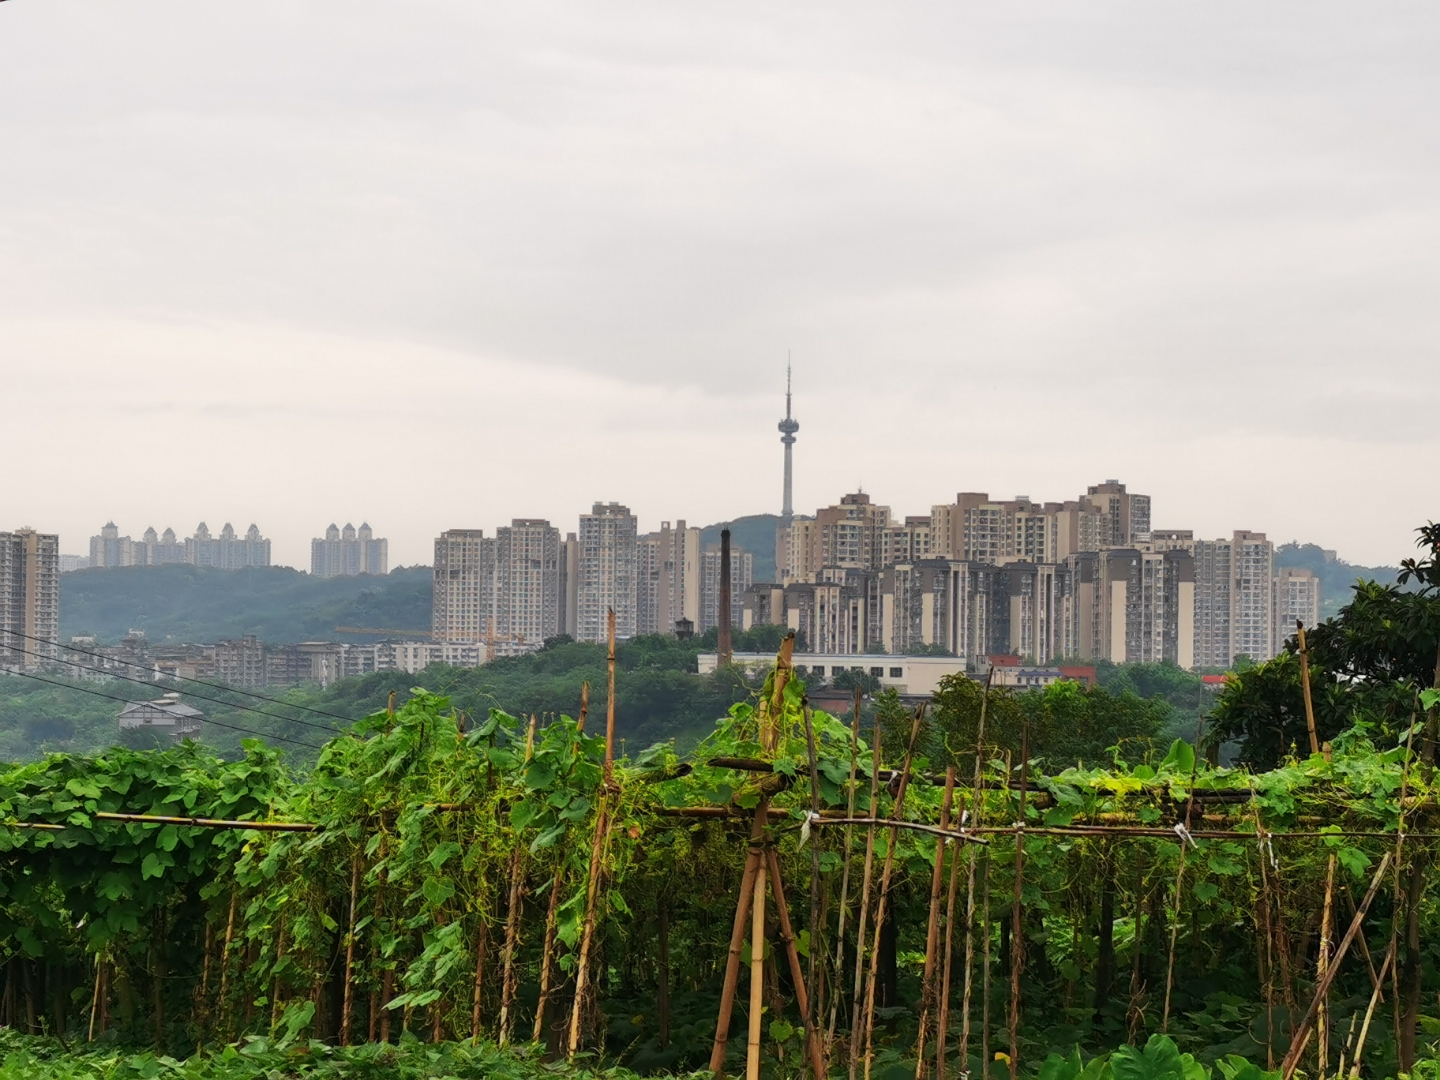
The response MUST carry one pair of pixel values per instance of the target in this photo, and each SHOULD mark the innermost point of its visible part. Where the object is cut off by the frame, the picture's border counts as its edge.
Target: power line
(128, 701)
(182, 678)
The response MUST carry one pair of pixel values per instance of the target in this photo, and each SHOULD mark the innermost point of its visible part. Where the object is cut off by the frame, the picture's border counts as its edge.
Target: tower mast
(788, 427)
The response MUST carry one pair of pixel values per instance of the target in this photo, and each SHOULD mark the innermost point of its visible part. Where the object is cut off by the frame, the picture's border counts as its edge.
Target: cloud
(463, 263)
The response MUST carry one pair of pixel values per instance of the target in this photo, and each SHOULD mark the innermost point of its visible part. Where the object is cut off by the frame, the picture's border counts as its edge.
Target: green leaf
(1180, 759)
(438, 890)
(1206, 890)
(152, 867)
(1354, 860)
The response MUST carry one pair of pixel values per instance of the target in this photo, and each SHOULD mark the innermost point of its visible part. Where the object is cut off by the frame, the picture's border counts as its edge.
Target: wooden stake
(787, 935)
(885, 873)
(509, 978)
(932, 930)
(482, 942)
(584, 706)
(346, 1008)
(845, 874)
(1180, 880)
(737, 942)
(225, 951)
(859, 1001)
(977, 806)
(546, 953)
(1305, 687)
(942, 1027)
(1322, 964)
(811, 987)
(1370, 1010)
(757, 974)
(1017, 925)
(610, 704)
(1302, 1035)
(587, 934)
(663, 918)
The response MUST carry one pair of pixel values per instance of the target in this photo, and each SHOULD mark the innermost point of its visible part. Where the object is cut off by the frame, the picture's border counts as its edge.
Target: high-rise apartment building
(1252, 598)
(349, 552)
(795, 550)
(1234, 599)
(1125, 516)
(29, 598)
(464, 587)
(742, 573)
(228, 551)
(668, 576)
(607, 572)
(527, 580)
(569, 583)
(848, 536)
(1297, 599)
(910, 542)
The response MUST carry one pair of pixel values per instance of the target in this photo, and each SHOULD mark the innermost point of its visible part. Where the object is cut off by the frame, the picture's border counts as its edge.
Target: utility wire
(128, 701)
(329, 729)
(181, 678)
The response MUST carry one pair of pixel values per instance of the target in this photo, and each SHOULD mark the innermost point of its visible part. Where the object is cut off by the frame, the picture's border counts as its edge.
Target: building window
(897, 673)
(877, 671)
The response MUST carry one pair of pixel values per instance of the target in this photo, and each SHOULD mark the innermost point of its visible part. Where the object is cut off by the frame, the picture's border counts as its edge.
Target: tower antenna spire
(788, 427)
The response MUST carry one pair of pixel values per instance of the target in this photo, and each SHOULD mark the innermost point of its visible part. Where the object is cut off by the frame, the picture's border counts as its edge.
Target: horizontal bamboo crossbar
(158, 819)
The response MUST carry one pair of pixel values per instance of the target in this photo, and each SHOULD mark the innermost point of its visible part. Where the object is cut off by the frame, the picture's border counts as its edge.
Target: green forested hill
(278, 604)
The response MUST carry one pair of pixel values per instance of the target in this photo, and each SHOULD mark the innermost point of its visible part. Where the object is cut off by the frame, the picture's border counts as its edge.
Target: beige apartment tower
(464, 586)
(29, 599)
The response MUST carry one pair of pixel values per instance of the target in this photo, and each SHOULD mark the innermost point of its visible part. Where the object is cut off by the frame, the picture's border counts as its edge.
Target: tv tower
(788, 427)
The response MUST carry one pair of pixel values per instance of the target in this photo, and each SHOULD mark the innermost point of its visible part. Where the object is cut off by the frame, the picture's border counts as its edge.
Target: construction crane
(387, 630)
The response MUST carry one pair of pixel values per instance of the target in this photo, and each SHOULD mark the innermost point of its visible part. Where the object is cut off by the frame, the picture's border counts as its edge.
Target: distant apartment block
(70, 563)
(742, 573)
(1297, 599)
(527, 580)
(668, 578)
(1234, 599)
(463, 597)
(228, 551)
(607, 572)
(29, 598)
(349, 552)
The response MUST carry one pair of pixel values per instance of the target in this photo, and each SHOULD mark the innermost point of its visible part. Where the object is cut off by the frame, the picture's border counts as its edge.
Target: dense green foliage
(436, 839)
(183, 603)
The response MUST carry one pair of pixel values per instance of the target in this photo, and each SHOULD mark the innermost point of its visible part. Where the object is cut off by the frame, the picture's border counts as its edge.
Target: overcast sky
(438, 265)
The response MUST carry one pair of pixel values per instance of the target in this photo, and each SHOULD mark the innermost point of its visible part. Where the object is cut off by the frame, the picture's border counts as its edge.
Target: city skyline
(1011, 250)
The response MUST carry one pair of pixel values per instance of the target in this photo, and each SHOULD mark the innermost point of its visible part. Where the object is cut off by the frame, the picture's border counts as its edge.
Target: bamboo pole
(1305, 687)
(845, 874)
(893, 842)
(977, 807)
(610, 702)
(932, 930)
(584, 705)
(546, 957)
(860, 920)
(508, 978)
(587, 934)
(482, 942)
(1179, 883)
(812, 988)
(942, 1026)
(225, 950)
(737, 941)
(787, 935)
(1297, 1044)
(757, 974)
(1370, 1010)
(347, 1007)
(1017, 926)
(1322, 964)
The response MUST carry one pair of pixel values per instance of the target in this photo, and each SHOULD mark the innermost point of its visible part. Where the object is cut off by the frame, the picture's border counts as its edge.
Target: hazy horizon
(446, 265)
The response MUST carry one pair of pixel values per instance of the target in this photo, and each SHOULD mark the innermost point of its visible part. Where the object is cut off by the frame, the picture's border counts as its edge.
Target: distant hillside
(756, 534)
(192, 604)
(1336, 575)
